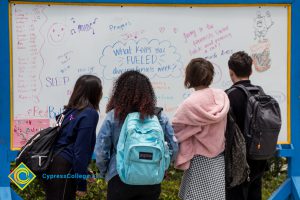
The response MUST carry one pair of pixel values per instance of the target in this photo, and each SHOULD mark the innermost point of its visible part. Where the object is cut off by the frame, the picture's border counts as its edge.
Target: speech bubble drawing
(150, 57)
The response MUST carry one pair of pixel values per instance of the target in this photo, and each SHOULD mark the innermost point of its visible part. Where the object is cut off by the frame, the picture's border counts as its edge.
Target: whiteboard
(52, 45)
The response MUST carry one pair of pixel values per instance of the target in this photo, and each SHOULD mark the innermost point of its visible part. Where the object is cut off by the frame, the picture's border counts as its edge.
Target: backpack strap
(60, 121)
(249, 91)
(230, 117)
(157, 111)
(261, 90)
(230, 90)
(60, 117)
(61, 126)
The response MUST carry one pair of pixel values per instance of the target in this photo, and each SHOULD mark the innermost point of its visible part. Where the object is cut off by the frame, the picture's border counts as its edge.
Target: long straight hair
(87, 92)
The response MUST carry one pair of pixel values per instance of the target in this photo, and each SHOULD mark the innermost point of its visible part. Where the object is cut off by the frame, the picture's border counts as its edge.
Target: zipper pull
(248, 175)
(258, 146)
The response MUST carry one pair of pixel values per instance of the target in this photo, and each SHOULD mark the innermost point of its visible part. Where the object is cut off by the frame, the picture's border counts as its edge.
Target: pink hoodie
(199, 124)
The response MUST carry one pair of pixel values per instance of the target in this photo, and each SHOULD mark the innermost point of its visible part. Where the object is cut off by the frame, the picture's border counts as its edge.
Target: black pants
(117, 190)
(249, 190)
(60, 189)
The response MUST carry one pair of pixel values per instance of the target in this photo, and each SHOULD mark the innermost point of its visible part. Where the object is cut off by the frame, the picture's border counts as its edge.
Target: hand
(80, 193)
(166, 176)
(92, 178)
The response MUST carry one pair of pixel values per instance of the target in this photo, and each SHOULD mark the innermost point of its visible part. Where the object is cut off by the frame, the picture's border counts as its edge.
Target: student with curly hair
(132, 92)
(199, 125)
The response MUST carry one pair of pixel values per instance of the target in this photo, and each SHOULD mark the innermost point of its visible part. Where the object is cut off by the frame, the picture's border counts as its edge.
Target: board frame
(290, 189)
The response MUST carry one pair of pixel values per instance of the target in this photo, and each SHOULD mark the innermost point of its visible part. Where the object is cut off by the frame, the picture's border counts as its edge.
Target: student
(199, 125)
(77, 140)
(240, 69)
(132, 92)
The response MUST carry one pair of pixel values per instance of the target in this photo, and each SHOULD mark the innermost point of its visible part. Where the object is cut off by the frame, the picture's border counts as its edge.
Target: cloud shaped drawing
(150, 57)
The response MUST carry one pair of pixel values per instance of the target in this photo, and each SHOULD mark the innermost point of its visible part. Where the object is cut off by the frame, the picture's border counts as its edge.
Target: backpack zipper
(258, 145)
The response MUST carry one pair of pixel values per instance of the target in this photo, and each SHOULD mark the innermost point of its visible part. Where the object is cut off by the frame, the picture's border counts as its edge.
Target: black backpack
(236, 167)
(262, 123)
(38, 153)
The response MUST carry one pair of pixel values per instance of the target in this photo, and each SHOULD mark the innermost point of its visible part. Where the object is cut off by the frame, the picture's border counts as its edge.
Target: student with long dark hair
(77, 140)
(132, 92)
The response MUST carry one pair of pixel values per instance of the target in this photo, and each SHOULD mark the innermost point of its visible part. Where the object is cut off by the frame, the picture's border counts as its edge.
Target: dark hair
(87, 92)
(199, 72)
(132, 92)
(241, 64)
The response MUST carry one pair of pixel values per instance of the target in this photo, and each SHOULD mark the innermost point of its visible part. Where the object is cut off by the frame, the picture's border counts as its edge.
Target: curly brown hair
(132, 92)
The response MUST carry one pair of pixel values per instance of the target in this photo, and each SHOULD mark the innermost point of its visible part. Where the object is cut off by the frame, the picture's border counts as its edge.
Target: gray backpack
(237, 169)
(262, 123)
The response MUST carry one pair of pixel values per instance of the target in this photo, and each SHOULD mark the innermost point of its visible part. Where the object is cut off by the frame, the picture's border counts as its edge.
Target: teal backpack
(142, 154)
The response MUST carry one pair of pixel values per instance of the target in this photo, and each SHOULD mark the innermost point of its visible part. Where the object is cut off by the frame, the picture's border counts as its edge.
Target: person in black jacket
(240, 69)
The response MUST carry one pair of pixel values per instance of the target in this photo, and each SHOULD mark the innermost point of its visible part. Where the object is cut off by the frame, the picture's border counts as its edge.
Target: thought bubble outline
(108, 55)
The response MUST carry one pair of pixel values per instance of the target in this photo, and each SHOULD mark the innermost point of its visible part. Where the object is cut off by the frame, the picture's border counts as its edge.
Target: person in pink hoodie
(199, 124)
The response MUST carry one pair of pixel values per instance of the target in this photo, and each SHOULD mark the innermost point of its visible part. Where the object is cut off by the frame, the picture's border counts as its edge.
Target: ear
(233, 76)
(231, 73)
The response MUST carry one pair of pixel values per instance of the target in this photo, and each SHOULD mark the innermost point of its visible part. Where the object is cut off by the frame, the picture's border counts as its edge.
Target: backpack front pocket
(144, 165)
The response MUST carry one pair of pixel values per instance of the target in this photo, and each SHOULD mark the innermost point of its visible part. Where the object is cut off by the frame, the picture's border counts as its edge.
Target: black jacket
(238, 100)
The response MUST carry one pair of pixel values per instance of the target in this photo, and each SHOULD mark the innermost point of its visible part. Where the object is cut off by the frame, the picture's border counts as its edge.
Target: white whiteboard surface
(53, 45)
